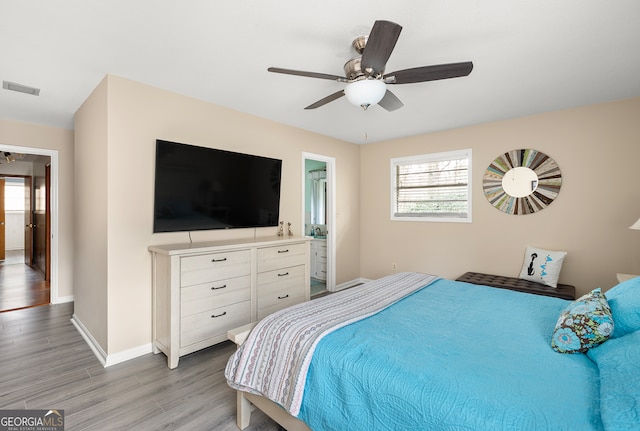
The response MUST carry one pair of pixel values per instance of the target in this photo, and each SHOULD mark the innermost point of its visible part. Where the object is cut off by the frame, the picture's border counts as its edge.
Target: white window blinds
(432, 187)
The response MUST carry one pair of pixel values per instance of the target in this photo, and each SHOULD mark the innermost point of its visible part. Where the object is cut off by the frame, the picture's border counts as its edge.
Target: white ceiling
(529, 56)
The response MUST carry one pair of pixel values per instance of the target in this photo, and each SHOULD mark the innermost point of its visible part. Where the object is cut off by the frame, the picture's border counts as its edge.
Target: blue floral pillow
(584, 323)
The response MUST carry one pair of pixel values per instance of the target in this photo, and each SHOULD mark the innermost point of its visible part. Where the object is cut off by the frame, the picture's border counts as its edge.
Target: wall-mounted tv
(200, 188)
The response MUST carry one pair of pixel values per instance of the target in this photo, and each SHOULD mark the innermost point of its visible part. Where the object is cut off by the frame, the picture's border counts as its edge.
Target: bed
(417, 352)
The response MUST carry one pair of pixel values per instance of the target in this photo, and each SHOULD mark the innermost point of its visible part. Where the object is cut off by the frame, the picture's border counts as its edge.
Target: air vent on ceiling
(20, 88)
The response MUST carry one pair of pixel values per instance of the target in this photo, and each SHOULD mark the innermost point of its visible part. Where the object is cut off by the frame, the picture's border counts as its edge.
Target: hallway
(20, 285)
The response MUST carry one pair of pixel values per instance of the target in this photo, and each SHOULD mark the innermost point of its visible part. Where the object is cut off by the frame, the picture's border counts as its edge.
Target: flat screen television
(199, 188)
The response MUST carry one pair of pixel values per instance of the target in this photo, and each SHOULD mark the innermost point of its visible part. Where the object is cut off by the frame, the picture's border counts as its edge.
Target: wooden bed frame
(246, 402)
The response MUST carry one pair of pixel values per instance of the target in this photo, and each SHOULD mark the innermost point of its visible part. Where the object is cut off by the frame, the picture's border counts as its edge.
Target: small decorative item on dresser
(289, 229)
(281, 230)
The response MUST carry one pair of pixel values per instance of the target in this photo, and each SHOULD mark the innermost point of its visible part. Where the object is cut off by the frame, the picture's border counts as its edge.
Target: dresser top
(204, 246)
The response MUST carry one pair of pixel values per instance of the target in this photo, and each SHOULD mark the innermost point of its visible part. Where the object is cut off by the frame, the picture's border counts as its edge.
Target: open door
(40, 211)
(28, 222)
(2, 222)
(47, 241)
(46, 163)
(326, 207)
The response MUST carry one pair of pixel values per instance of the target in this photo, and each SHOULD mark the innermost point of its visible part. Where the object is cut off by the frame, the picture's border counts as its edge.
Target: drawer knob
(220, 287)
(219, 260)
(283, 297)
(282, 275)
(283, 251)
(213, 316)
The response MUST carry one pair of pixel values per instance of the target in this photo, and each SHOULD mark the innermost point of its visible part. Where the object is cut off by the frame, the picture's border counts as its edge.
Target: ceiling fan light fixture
(365, 92)
(365, 74)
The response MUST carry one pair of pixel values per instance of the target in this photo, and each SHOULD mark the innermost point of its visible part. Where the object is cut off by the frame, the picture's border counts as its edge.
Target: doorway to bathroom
(319, 219)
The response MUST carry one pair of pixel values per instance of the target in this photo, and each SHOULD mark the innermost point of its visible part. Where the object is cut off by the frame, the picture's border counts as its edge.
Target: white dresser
(201, 290)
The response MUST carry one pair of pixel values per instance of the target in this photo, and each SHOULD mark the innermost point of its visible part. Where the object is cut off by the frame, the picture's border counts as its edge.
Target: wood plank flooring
(45, 364)
(20, 285)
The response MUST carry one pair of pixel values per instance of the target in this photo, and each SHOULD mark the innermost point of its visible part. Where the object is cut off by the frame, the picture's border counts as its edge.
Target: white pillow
(542, 266)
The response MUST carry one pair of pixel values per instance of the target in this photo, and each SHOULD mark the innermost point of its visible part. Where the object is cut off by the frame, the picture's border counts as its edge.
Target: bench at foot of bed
(564, 291)
(246, 402)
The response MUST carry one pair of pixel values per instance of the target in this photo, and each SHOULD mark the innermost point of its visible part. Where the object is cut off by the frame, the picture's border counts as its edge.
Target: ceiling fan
(365, 77)
(12, 157)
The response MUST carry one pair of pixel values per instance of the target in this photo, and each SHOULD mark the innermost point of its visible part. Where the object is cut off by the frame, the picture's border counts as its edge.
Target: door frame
(3, 228)
(331, 212)
(53, 234)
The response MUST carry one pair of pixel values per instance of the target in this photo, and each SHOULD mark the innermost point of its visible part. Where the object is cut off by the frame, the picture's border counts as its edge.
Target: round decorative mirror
(522, 182)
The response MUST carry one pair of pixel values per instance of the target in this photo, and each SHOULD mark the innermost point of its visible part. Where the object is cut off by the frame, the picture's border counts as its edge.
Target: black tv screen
(199, 188)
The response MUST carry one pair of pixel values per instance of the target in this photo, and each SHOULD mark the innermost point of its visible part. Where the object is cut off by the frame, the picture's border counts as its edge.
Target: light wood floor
(20, 285)
(45, 364)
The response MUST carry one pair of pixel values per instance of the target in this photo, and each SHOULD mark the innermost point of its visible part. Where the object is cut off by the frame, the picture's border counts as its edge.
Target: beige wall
(124, 137)
(60, 140)
(90, 252)
(597, 149)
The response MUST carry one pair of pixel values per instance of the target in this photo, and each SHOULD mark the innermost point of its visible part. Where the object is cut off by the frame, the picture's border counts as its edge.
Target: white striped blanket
(274, 360)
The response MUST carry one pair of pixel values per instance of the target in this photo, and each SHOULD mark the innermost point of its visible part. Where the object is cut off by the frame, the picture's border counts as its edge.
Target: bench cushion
(564, 291)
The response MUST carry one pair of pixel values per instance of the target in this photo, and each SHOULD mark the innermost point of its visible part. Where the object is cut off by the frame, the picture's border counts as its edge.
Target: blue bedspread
(452, 356)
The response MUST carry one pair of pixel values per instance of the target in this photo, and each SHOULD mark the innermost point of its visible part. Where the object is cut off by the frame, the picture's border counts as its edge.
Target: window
(14, 194)
(432, 187)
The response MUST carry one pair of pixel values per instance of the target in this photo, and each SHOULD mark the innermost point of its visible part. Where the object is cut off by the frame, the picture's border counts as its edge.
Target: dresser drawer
(270, 258)
(214, 266)
(265, 311)
(211, 323)
(281, 288)
(202, 297)
(236, 282)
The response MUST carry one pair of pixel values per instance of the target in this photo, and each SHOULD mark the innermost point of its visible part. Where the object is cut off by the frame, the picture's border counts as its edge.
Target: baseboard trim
(63, 299)
(129, 354)
(351, 283)
(108, 360)
(88, 338)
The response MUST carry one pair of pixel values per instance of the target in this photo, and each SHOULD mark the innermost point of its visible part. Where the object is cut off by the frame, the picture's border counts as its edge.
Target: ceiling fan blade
(380, 44)
(308, 74)
(324, 101)
(429, 73)
(390, 102)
